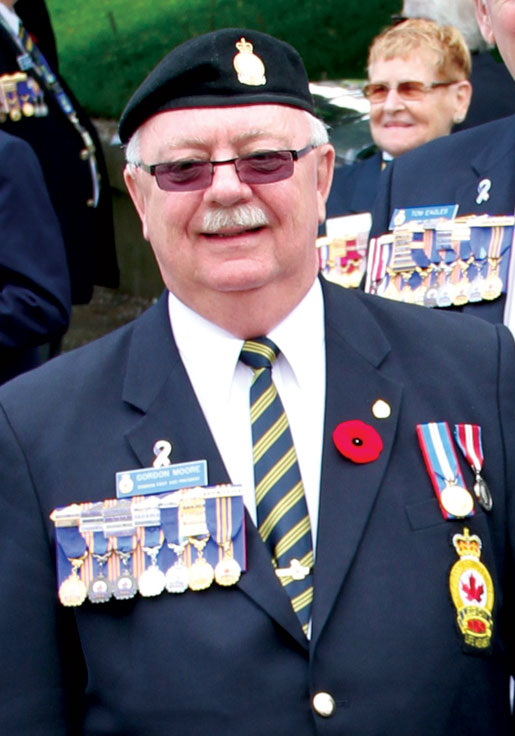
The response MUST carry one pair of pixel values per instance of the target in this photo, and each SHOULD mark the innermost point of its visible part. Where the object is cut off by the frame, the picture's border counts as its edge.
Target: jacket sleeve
(34, 279)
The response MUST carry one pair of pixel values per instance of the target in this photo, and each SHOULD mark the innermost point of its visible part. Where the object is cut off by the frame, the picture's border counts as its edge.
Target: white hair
(458, 13)
(319, 136)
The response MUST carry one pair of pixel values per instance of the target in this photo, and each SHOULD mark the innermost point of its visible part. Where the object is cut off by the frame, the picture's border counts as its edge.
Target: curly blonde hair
(445, 42)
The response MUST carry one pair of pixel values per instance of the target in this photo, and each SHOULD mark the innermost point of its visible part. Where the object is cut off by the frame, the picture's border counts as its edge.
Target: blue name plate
(428, 216)
(147, 481)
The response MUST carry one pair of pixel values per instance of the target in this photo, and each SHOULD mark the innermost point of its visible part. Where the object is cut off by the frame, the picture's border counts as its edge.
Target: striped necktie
(282, 515)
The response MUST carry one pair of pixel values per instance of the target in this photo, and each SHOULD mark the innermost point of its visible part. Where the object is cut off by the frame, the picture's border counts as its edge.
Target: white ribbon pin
(483, 191)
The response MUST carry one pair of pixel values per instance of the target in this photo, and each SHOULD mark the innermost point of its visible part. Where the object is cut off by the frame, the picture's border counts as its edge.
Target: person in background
(357, 584)
(34, 281)
(494, 88)
(36, 105)
(474, 169)
(418, 89)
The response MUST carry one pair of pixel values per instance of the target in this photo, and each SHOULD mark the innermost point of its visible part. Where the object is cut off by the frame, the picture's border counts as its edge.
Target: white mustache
(244, 216)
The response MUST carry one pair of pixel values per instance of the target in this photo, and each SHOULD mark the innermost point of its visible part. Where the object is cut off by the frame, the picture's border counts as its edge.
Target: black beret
(233, 66)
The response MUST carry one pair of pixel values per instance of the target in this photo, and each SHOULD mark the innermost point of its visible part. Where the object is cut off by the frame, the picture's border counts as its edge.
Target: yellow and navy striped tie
(283, 520)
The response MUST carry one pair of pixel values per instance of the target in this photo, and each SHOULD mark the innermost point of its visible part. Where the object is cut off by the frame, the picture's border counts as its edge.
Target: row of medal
(181, 541)
(452, 264)
(20, 96)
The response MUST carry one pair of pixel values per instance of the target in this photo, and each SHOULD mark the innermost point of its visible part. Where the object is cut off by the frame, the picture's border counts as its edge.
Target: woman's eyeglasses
(407, 91)
(264, 167)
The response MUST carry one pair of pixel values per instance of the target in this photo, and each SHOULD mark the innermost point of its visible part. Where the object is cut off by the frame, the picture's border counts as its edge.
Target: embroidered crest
(472, 591)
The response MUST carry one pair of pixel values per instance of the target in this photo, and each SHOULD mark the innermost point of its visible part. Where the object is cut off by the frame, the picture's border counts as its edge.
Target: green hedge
(106, 47)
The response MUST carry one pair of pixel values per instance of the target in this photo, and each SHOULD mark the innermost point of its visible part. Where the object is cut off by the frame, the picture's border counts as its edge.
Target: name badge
(146, 481)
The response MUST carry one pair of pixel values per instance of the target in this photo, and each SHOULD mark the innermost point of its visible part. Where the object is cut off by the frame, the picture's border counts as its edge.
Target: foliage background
(106, 47)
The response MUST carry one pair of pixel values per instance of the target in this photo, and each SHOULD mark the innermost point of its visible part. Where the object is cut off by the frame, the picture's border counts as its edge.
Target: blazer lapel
(491, 179)
(348, 490)
(160, 390)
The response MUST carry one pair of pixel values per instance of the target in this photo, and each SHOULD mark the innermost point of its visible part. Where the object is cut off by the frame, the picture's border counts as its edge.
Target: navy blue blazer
(385, 641)
(34, 281)
(354, 187)
(449, 170)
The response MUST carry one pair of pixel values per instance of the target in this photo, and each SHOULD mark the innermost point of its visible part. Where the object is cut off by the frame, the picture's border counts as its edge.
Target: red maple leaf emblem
(470, 590)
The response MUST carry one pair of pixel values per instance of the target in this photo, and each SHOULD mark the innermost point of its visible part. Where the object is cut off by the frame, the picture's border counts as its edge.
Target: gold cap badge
(248, 66)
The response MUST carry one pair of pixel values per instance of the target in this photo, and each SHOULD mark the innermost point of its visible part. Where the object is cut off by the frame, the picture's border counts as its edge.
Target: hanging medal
(177, 575)
(441, 461)
(201, 573)
(468, 437)
(472, 591)
(73, 590)
(125, 585)
(227, 570)
(100, 588)
(152, 580)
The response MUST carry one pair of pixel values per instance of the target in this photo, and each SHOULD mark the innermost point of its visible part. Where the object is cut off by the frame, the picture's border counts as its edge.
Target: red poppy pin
(357, 441)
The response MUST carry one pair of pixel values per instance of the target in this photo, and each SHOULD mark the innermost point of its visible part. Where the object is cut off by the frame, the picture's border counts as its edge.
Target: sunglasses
(407, 91)
(264, 167)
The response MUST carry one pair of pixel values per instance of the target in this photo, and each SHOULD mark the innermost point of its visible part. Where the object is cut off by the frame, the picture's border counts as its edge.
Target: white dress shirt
(222, 385)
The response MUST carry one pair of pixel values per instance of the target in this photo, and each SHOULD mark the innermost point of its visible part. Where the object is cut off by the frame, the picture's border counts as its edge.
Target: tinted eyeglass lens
(183, 176)
(405, 90)
(265, 168)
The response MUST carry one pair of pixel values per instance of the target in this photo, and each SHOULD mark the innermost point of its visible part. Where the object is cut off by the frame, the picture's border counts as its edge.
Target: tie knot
(259, 352)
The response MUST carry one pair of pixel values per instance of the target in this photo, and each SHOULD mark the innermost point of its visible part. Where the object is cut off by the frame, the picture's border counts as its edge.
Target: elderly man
(368, 590)
(473, 169)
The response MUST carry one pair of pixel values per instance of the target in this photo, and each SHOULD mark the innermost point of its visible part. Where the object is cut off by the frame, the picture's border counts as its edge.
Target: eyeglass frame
(294, 153)
(424, 89)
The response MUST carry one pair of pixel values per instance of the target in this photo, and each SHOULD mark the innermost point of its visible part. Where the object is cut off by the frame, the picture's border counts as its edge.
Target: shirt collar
(198, 339)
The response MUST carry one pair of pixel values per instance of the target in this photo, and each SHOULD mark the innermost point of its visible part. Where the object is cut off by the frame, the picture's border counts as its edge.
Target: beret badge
(249, 67)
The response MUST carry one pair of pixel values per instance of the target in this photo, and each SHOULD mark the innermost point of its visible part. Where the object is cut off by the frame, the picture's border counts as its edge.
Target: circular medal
(430, 297)
(28, 109)
(483, 494)
(227, 571)
(476, 290)
(99, 590)
(457, 501)
(461, 295)
(492, 288)
(151, 582)
(15, 115)
(177, 578)
(72, 591)
(125, 586)
(201, 574)
(445, 295)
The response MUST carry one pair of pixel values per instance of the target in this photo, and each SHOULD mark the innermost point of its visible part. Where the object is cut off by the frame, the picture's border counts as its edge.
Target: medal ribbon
(441, 460)
(468, 437)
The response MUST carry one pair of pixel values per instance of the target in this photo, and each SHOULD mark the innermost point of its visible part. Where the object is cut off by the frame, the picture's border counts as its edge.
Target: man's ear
(325, 169)
(137, 195)
(483, 19)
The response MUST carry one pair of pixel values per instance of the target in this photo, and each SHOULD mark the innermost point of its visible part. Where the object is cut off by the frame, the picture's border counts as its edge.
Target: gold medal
(72, 591)
(201, 574)
(227, 571)
(28, 109)
(457, 501)
(492, 288)
(472, 591)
